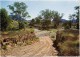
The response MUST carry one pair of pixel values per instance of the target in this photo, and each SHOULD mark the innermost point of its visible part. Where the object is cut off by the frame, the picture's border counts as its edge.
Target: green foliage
(26, 23)
(13, 25)
(67, 24)
(46, 14)
(57, 19)
(75, 16)
(21, 25)
(46, 24)
(19, 8)
(32, 23)
(5, 19)
(38, 21)
(51, 15)
(44, 20)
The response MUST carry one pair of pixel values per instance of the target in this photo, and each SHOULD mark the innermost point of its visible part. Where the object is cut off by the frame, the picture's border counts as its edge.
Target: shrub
(46, 24)
(67, 27)
(13, 25)
(32, 23)
(21, 25)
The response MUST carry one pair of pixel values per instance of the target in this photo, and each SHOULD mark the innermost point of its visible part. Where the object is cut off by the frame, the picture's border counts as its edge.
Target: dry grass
(68, 43)
(19, 37)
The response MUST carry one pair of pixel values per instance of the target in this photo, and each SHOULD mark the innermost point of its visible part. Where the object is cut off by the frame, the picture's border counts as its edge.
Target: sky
(35, 6)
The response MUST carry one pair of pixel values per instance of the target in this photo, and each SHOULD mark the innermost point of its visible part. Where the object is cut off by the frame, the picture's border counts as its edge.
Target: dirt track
(42, 48)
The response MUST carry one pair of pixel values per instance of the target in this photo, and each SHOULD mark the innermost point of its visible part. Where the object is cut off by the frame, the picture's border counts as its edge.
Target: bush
(67, 27)
(13, 25)
(32, 23)
(21, 25)
(46, 24)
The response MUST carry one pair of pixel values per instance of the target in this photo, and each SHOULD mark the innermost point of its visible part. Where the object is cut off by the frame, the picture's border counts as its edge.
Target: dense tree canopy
(51, 15)
(19, 9)
(5, 19)
(46, 14)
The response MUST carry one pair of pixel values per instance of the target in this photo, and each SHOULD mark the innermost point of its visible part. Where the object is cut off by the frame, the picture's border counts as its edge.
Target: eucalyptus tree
(46, 14)
(46, 18)
(56, 18)
(19, 12)
(49, 15)
(77, 8)
(19, 9)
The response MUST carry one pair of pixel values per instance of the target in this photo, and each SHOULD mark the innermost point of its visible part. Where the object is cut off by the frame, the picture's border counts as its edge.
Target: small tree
(38, 20)
(77, 8)
(5, 19)
(75, 16)
(46, 18)
(57, 18)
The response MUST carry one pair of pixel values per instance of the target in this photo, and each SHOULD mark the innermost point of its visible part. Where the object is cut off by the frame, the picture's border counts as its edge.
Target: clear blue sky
(35, 6)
